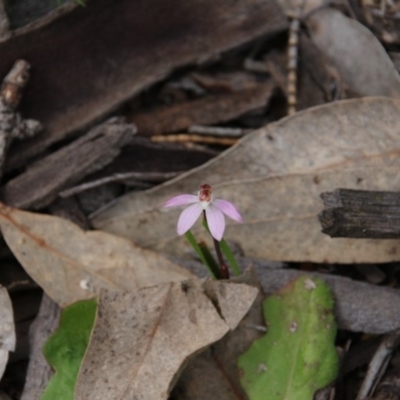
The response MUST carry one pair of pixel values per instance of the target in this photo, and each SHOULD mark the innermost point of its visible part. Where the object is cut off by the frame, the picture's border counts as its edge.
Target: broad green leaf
(297, 356)
(64, 350)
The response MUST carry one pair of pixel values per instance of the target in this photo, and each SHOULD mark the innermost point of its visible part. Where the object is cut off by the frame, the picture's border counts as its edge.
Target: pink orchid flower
(204, 201)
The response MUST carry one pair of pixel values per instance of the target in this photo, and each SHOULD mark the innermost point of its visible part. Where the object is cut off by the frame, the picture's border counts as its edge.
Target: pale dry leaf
(275, 176)
(142, 339)
(213, 374)
(361, 60)
(7, 329)
(71, 264)
(226, 295)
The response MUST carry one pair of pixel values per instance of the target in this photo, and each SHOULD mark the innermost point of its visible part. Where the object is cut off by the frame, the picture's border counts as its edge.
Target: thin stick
(218, 131)
(143, 176)
(184, 138)
(293, 47)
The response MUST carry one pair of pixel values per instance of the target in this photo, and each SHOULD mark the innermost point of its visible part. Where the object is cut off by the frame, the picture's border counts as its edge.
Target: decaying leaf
(112, 50)
(7, 330)
(142, 339)
(297, 356)
(71, 264)
(275, 176)
(357, 54)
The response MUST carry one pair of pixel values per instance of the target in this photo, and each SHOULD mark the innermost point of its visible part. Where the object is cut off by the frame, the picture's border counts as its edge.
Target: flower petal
(188, 217)
(216, 221)
(228, 209)
(181, 200)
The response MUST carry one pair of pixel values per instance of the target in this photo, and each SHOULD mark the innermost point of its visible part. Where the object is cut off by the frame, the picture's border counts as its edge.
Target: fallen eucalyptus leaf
(71, 264)
(358, 55)
(143, 338)
(65, 349)
(275, 176)
(297, 356)
(7, 329)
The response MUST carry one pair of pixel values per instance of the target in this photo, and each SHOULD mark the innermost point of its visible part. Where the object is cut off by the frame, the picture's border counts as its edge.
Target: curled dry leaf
(7, 329)
(141, 339)
(275, 176)
(357, 54)
(71, 264)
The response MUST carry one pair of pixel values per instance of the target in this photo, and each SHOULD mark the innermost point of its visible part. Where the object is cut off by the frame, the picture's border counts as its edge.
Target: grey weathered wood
(361, 214)
(12, 125)
(4, 22)
(39, 185)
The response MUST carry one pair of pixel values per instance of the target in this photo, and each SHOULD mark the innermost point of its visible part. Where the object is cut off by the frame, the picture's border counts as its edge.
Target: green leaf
(64, 350)
(297, 356)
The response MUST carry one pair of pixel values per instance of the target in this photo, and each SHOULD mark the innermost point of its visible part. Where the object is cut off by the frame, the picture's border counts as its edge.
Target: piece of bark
(12, 125)
(4, 22)
(127, 46)
(208, 110)
(41, 183)
(39, 372)
(361, 214)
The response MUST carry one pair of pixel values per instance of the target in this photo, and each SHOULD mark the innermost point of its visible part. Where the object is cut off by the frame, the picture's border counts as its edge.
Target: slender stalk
(227, 253)
(212, 269)
(223, 268)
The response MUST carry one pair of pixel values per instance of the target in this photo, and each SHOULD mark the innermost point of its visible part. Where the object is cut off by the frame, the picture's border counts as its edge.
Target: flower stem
(212, 269)
(227, 252)
(223, 268)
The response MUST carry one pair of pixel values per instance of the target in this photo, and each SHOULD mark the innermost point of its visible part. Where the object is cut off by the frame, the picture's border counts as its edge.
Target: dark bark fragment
(41, 183)
(361, 214)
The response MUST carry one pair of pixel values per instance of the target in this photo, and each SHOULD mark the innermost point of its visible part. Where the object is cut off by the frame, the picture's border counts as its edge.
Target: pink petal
(216, 221)
(228, 209)
(188, 217)
(181, 200)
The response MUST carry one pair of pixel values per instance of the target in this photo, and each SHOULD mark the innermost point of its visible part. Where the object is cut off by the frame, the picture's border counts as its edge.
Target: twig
(218, 131)
(378, 364)
(184, 138)
(293, 46)
(143, 176)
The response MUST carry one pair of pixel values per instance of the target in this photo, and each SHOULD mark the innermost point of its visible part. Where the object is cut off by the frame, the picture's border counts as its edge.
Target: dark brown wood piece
(216, 108)
(40, 184)
(361, 214)
(91, 59)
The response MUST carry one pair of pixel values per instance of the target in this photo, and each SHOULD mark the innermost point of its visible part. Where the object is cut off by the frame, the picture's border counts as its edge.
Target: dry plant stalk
(293, 51)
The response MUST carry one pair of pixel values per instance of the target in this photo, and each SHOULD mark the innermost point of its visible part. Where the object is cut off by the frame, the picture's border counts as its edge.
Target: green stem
(203, 257)
(227, 252)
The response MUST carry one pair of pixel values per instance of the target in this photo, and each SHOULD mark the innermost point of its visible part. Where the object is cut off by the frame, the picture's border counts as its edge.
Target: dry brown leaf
(142, 339)
(357, 54)
(7, 329)
(71, 264)
(274, 176)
